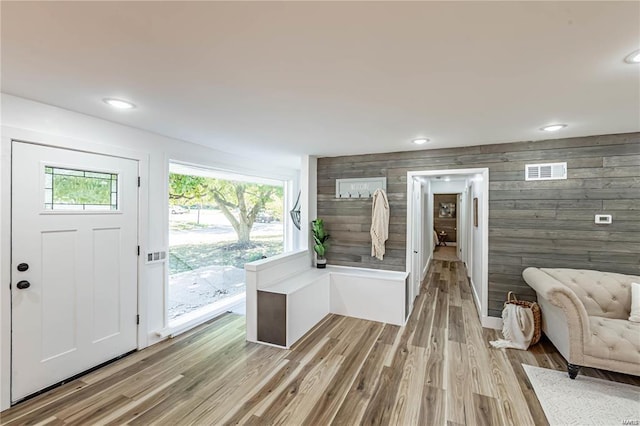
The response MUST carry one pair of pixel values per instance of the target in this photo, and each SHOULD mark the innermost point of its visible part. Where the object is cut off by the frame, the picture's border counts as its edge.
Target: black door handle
(23, 284)
(23, 267)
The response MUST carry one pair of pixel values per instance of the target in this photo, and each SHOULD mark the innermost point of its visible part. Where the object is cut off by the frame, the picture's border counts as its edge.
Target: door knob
(23, 284)
(23, 267)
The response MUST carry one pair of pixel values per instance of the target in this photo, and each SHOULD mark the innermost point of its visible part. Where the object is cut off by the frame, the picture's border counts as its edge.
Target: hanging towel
(379, 223)
(517, 327)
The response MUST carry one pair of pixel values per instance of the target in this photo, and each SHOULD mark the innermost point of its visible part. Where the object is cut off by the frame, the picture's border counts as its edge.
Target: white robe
(379, 223)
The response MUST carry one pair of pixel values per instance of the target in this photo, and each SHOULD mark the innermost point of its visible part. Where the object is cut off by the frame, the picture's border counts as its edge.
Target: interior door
(74, 263)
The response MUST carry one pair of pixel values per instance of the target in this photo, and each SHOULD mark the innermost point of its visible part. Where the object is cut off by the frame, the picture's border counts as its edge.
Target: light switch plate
(156, 256)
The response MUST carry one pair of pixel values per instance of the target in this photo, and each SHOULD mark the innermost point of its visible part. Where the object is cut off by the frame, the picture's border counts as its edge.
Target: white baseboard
(426, 267)
(492, 322)
(476, 299)
(485, 321)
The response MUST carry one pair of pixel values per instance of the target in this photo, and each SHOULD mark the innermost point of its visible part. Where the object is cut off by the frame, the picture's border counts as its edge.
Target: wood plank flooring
(438, 369)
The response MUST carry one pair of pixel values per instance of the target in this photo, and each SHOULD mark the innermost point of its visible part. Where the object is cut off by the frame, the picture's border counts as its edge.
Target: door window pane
(70, 189)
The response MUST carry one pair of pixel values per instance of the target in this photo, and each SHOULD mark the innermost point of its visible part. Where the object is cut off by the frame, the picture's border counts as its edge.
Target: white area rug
(585, 400)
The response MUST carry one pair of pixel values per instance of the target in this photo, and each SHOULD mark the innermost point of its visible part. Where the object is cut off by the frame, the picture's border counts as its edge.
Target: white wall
(439, 186)
(477, 185)
(309, 199)
(35, 122)
(428, 244)
(477, 237)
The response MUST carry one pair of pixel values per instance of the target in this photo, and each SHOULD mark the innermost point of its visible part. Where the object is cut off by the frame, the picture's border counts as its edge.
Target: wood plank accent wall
(543, 224)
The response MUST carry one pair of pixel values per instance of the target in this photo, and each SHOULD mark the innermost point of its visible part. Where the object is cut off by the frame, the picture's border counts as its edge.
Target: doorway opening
(447, 219)
(218, 221)
(445, 225)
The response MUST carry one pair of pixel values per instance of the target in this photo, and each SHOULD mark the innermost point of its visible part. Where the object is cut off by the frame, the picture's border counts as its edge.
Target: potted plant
(319, 239)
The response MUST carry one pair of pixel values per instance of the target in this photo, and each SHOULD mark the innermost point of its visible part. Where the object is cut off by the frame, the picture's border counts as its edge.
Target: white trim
(492, 322)
(476, 299)
(5, 272)
(224, 173)
(426, 267)
(485, 320)
(483, 311)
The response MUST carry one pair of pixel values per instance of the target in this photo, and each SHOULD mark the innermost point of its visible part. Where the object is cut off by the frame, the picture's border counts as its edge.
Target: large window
(218, 222)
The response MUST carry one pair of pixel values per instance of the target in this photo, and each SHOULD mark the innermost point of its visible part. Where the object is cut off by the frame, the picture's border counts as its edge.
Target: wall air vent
(548, 171)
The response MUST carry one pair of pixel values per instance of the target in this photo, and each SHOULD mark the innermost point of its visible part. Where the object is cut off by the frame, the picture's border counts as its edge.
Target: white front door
(74, 263)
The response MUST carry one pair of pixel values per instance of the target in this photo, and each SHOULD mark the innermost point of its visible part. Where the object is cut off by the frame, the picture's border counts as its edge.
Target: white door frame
(484, 172)
(469, 225)
(461, 231)
(416, 240)
(10, 134)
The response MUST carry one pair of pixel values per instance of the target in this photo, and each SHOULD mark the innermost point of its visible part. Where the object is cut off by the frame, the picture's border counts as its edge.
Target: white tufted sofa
(586, 315)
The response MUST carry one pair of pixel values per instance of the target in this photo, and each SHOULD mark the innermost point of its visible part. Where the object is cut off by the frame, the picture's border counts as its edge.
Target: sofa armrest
(563, 297)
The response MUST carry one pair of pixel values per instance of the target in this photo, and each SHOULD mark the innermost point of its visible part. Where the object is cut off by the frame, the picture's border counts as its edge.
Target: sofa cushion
(603, 294)
(614, 339)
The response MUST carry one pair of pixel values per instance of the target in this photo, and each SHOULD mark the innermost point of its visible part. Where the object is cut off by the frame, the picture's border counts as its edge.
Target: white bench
(286, 297)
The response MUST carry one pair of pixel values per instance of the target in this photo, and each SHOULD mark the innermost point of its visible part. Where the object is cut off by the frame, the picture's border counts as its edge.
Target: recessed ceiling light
(420, 141)
(633, 57)
(553, 127)
(118, 103)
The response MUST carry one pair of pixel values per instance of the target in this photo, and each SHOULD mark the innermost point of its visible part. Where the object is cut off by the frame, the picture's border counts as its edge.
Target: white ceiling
(276, 80)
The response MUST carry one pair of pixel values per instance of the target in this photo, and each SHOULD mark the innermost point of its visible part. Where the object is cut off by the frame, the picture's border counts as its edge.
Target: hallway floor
(445, 253)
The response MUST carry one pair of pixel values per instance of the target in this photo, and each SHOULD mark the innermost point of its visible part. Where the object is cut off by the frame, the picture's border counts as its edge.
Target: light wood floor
(448, 253)
(438, 369)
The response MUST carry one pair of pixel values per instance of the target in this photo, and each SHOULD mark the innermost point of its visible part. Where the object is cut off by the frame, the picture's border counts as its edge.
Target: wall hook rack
(363, 187)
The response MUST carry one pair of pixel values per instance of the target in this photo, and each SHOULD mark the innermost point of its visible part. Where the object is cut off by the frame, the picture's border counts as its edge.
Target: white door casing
(460, 230)
(416, 272)
(481, 178)
(80, 307)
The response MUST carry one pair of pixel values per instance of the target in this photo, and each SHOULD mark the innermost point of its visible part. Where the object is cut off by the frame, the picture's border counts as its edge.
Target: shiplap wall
(544, 224)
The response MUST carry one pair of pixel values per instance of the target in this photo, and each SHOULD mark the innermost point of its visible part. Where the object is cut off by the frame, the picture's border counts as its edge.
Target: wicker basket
(537, 315)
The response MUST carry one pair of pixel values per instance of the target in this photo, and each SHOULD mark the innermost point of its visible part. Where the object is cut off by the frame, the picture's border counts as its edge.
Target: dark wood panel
(272, 318)
(626, 160)
(531, 223)
(583, 225)
(544, 204)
